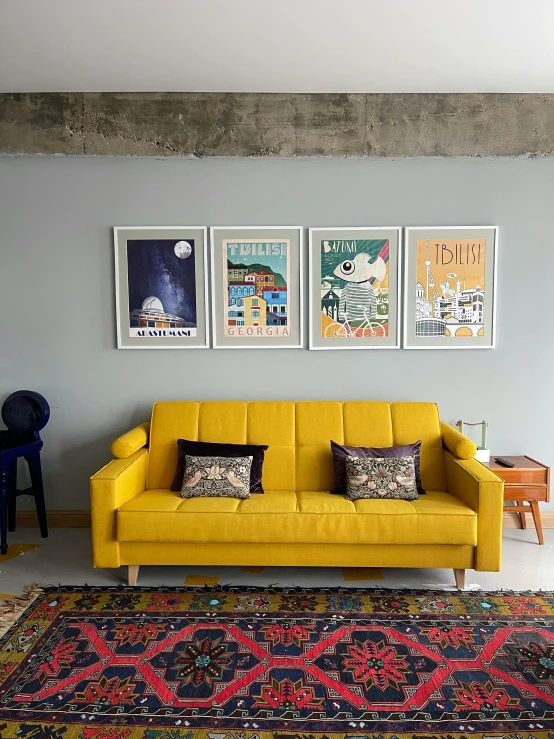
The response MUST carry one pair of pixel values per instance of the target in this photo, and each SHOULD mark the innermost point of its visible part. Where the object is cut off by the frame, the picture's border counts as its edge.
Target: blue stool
(24, 413)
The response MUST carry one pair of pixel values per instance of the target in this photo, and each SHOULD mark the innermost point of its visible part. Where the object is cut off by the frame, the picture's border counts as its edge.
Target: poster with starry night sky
(162, 287)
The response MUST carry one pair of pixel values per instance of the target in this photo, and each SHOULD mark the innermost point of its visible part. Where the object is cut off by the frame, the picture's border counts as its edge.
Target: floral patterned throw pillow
(381, 477)
(216, 477)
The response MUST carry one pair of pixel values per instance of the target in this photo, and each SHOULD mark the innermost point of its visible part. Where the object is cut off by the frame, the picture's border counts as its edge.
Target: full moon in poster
(183, 249)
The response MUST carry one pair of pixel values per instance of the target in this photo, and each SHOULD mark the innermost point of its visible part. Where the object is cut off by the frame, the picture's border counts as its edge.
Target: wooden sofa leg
(133, 571)
(460, 576)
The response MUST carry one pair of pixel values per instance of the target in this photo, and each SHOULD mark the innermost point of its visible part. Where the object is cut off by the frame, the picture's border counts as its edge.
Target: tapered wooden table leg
(132, 576)
(460, 576)
(537, 519)
(523, 519)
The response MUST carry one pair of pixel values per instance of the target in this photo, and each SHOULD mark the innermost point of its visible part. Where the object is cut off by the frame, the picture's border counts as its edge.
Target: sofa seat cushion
(309, 517)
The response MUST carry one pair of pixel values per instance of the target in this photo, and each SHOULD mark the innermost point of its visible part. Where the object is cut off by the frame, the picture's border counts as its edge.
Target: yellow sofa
(137, 520)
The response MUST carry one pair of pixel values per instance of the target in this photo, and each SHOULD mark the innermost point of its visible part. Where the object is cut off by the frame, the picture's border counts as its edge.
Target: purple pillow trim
(341, 452)
(215, 449)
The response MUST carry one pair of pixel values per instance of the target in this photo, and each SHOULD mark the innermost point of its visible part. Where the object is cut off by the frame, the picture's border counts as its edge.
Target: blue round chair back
(26, 410)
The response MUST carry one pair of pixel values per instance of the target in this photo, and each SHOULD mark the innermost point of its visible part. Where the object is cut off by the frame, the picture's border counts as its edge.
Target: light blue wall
(57, 329)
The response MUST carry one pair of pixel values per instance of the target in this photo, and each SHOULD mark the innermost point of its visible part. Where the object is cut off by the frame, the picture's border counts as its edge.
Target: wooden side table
(528, 481)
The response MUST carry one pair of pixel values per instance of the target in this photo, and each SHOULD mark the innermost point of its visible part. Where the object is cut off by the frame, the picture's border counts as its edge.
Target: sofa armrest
(115, 484)
(460, 445)
(131, 441)
(482, 490)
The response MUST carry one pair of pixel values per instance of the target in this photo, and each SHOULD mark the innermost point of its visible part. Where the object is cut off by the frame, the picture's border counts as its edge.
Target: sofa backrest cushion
(413, 421)
(263, 422)
(298, 434)
(363, 423)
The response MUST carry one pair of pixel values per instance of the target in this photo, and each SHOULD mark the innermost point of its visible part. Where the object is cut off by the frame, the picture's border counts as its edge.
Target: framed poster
(450, 287)
(355, 288)
(161, 287)
(256, 287)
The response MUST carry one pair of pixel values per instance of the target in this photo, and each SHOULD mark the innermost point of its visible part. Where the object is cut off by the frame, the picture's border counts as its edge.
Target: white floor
(65, 558)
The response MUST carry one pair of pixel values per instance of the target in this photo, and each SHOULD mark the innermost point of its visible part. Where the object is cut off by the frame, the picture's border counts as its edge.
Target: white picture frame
(136, 246)
(467, 325)
(256, 332)
(328, 331)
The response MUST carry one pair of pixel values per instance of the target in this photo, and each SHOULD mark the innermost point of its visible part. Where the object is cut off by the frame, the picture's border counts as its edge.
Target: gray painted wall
(57, 332)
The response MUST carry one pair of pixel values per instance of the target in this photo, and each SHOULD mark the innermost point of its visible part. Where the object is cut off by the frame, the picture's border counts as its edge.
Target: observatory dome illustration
(151, 315)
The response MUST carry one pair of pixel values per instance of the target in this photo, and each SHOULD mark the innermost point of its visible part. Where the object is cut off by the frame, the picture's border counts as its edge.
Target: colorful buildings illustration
(248, 311)
(236, 272)
(240, 290)
(276, 300)
(255, 311)
(235, 313)
(263, 279)
(253, 299)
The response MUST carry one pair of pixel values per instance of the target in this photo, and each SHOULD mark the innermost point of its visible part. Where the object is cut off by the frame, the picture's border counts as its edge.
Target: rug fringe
(12, 608)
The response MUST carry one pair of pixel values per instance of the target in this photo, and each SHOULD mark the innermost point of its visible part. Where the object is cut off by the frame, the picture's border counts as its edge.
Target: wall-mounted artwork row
(357, 296)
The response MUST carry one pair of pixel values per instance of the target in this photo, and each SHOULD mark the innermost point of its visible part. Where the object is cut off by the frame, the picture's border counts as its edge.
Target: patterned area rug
(255, 663)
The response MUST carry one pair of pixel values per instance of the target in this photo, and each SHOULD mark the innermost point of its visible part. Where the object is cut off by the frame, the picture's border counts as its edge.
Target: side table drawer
(519, 492)
(536, 476)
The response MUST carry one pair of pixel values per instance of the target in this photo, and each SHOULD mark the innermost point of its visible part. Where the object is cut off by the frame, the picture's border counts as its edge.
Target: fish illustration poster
(354, 288)
(256, 285)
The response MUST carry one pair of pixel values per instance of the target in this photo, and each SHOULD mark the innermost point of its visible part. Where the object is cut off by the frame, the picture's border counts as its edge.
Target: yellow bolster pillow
(132, 441)
(461, 446)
